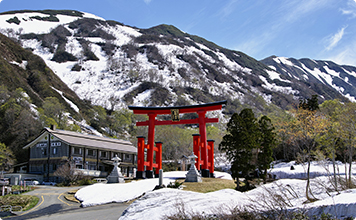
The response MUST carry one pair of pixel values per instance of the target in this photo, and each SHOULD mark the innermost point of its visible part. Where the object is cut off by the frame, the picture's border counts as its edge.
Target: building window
(44, 151)
(92, 167)
(103, 154)
(54, 150)
(127, 156)
(91, 152)
(77, 150)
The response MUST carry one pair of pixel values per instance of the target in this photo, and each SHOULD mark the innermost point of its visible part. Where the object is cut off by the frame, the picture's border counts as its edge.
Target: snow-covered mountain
(114, 65)
(335, 78)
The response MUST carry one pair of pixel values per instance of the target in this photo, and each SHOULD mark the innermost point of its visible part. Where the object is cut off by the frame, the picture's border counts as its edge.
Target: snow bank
(283, 170)
(166, 202)
(100, 193)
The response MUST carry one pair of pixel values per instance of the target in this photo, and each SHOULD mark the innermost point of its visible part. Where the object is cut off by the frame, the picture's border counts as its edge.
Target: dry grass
(70, 196)
(209, 185)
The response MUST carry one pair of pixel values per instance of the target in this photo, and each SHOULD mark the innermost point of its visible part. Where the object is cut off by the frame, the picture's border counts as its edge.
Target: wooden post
(203, 144)
(140, 157)
(211, 157)
(196, 149)
(151, 136)
(158, 158)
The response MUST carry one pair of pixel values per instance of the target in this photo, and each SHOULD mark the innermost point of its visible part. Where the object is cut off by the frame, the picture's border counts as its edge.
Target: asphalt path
(53, 205)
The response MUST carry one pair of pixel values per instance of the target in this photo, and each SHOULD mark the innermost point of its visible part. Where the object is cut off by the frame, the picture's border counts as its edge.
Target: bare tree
(68, 173)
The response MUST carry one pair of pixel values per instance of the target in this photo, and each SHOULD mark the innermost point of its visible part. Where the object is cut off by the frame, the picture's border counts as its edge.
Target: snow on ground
(283, 170)
(98, 194)
(164, 202)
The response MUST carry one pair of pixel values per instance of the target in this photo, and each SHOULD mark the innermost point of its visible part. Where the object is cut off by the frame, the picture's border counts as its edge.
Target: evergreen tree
(267, 143)
(309, 104)
(239, 142)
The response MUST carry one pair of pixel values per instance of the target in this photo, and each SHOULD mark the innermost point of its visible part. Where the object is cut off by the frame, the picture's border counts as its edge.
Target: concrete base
(149, 174)
(205, 173)
(112, 179)
(140, 175)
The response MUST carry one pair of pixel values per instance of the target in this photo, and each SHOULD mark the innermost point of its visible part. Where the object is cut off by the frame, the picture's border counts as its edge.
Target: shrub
(49, 18)
(14, 20)
(76, 67)
(63, 56)
(176, 184)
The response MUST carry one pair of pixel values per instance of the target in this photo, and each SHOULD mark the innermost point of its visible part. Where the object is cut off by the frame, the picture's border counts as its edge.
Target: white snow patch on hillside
(74, 106)
(121, 33)
(331, 72)
(273, 67)
(274, 87)
(88, 15)
(23, 64)
(321, 76)
(74, 47)
(32, 25)
(351, 98)
(202, 46)
(232, 65)
(274, 75)
(350, 73)
(283, 60)
(143, 99)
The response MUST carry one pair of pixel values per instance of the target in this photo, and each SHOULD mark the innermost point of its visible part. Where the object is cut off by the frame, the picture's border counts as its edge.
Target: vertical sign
(175, 115)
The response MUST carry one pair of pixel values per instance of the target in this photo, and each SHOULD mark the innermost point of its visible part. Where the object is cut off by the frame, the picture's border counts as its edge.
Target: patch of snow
(75, 107)
(275, 75)
(23, 64)
(350, 73)
(88, 15)
(274, 87)
(121, 33)
(31, 25)
(202, 46)
(283, 60)
(143, 99)
(273, 67)
(331, 72)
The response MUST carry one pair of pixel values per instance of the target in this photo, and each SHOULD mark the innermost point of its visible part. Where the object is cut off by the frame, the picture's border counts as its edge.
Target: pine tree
(267, 143)
(239, 142)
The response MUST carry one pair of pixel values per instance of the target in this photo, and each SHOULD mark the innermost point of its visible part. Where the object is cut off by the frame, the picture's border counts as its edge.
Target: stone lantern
(193, 175)
(116, 175)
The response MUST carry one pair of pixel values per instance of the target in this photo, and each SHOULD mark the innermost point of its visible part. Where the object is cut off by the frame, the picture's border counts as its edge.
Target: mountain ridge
(115, 65)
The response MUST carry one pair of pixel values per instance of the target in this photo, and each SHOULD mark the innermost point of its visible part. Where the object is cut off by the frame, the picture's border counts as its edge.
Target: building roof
(86, 140)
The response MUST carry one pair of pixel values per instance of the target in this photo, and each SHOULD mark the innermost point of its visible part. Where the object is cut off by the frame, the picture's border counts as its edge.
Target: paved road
(52, 205)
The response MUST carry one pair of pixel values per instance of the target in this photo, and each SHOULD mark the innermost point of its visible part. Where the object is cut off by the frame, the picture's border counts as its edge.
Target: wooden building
(89, 153)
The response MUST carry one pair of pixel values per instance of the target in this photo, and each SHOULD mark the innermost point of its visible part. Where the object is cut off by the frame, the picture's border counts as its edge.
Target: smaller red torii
(205, 149)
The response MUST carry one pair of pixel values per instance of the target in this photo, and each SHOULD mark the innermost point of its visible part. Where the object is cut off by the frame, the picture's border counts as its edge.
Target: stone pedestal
(116, 175)
(193, 175)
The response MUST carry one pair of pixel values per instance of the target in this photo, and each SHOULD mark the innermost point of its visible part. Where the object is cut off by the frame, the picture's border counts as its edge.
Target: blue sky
(316, 29)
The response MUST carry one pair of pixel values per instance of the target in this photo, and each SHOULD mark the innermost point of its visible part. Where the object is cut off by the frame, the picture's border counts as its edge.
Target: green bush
(63, 56)
(76, 68)
(14, 20)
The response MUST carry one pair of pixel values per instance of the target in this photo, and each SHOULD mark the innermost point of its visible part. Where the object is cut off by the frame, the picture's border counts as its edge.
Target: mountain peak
(113, 65)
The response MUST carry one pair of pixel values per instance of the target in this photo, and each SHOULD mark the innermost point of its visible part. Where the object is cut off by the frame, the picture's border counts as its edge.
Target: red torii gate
(200, 142)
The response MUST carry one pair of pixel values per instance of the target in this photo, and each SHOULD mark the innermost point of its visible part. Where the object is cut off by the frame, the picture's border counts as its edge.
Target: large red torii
(152, 112)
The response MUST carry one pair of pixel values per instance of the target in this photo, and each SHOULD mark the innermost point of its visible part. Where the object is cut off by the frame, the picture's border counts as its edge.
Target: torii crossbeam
(152, 112)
